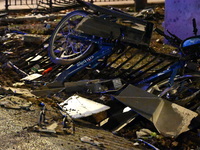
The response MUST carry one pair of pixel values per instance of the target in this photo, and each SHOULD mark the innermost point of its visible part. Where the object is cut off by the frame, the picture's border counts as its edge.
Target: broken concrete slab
(14, 102)
(169, 118)
(22, 91)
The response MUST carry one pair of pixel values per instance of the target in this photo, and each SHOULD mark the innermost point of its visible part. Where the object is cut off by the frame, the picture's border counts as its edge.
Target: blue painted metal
(192, 41)
(173, 70)
(105, 50)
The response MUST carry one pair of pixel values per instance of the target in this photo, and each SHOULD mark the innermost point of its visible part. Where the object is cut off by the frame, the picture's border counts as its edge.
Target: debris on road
(78, 107)
(89, 140)
(32, 38)
(82, 86)
(21, 91)
(143, 133)
(99, 93)
(152, 146)
(14, 102)
(154, 108)
(31, 77)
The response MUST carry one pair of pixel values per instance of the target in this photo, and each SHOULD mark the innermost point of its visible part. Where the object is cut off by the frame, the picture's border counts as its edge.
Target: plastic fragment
(152, 146)
(47, 70)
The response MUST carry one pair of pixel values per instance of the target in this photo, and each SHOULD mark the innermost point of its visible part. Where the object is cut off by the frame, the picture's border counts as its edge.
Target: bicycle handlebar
(195, 30)
(173, 39)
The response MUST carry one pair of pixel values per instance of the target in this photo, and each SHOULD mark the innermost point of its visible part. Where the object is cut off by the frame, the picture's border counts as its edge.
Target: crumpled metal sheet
(78, 107)
(169, 118)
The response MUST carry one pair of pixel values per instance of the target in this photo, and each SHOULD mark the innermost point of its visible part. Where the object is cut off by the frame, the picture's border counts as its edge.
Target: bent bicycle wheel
(66, 45)
(184, 90)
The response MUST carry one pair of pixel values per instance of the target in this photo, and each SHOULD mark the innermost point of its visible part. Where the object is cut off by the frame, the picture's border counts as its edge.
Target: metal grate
(134, 65)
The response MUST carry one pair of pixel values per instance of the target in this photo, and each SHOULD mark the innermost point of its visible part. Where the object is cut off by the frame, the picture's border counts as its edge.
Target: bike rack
(37, 61)
(133, 65)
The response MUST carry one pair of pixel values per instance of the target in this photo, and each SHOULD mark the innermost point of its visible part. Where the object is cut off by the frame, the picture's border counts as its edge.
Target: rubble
(83, 86)
(78, 107)
(91, 141)
(152, 146)
(30, 17)
(33, 39)
(31, 77)
(21, 91)
(113, 115)
(143, 133)
(154, 108)
(14, 102)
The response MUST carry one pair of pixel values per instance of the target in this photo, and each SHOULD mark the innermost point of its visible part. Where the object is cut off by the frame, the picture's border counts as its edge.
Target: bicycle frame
(172, 71)
(105, 49)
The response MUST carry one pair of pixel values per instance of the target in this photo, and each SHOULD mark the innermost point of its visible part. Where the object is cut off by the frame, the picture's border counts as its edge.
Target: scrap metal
(169, 118)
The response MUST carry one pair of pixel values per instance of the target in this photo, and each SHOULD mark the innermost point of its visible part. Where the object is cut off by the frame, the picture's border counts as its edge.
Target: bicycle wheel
(184, 90)
(66, 45)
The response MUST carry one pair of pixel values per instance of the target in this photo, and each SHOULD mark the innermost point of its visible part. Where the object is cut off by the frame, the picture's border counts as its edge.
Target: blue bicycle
(183, 84)
(83, 38)
(94, 34)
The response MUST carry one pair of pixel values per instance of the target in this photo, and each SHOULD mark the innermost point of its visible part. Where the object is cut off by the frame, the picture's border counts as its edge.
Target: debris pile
(110, 96)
